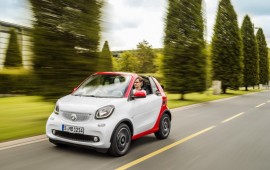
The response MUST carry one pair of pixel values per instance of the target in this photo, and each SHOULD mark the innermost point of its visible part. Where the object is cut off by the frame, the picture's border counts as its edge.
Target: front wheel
(121, 141)
(164, 127)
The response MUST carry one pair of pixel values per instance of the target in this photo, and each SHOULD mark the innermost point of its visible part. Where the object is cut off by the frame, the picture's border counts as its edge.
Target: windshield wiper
(90, 96)
(77, 95)
(109, 96)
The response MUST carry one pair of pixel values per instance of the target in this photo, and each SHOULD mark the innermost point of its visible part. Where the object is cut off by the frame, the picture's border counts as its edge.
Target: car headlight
(104, 112)
(56, 109)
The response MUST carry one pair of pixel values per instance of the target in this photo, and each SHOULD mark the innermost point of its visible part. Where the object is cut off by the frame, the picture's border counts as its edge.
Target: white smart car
(103, 113)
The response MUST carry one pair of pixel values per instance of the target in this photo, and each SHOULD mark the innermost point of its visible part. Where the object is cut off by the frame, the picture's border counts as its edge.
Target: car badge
(73, 117)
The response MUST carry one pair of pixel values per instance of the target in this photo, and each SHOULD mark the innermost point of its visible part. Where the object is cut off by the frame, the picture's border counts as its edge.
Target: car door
(145, 111)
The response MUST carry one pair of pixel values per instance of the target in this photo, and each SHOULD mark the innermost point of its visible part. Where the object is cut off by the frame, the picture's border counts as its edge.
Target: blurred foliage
(126, 62)
(17, 81)
(263, 57)
(269, 60)
(209, 69)
(184, 58)
(65, 43)
(146, 56)
(250, 54)
(105, 58)
(13, 55)
(158, 62)
(226, 47)
(141, 60)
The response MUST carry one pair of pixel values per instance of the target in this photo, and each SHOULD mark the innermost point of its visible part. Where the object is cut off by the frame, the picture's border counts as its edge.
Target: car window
(146, 85)
(104, 86)
(153, 85)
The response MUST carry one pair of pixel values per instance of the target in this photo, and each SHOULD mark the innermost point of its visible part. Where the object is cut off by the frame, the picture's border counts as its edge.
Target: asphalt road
(231, 134)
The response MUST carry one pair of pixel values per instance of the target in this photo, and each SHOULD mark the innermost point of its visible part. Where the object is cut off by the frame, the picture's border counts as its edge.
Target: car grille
(76, 137)
(80, 117)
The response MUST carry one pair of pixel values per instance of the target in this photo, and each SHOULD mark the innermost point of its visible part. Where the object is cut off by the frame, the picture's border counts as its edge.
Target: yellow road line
(268, 101)
(226, 120)
(137, 161)
(260, 105)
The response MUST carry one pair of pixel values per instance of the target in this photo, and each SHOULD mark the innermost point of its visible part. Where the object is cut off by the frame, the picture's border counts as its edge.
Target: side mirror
(158, 93)
(139, 94)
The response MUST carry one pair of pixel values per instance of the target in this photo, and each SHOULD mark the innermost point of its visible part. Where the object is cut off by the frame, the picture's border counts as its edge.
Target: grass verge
(194, 98)
(25, 116)
(15, 71)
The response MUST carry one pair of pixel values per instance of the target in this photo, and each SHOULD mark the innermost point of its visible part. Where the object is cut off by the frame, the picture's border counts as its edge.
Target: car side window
(147, 85)
(153, 86)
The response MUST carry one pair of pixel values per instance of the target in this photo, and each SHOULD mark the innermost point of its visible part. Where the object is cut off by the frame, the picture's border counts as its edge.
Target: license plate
(73, 129)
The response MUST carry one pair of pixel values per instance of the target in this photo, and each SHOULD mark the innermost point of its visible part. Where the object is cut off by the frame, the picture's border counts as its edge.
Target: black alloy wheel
(121, 141)
(164, 127)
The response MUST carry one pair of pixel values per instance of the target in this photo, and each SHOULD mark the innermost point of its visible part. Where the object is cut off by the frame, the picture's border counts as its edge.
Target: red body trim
(162, 109)
(133, 78)
(115, 73)
(155, 128)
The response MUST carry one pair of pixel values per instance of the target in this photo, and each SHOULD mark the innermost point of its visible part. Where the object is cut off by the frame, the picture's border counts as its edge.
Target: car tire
(164, 127)
(121, 140)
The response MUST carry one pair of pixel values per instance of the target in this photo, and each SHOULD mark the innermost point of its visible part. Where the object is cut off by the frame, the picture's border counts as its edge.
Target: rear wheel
(121, 141)
(164, 127)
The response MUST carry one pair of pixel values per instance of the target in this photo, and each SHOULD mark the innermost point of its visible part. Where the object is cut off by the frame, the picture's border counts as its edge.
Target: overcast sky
(127, 22)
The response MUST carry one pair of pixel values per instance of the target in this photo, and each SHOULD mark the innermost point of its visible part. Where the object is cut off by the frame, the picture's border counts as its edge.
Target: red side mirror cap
(139, 94)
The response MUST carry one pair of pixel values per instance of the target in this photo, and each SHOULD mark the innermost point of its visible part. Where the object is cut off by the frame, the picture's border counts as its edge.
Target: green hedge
(17, 84)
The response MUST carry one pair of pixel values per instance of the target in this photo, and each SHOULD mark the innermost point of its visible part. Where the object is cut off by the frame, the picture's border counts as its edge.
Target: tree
(226, 47)
(127, 62)
(141, 60)
(158, 62)
(105, 59)
(13, 55)
(263, 57)
(184, 62)
(65, 43)
(146, 57)
(250, 54)
(208, 66)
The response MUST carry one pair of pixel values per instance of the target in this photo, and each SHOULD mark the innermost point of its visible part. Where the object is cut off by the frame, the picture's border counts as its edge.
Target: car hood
(81, 104)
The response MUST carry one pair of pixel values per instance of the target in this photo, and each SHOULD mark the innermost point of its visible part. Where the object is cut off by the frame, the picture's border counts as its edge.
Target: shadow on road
(136, 145)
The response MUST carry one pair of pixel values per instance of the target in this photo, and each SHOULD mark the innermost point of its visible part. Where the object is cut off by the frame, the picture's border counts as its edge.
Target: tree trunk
(246, 88)
(182, 97)
(224, 89)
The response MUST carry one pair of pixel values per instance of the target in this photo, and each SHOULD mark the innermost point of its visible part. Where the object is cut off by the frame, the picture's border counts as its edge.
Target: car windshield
(106, 86)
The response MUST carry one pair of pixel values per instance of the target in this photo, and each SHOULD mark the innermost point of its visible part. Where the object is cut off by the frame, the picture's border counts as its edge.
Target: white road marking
(233, 117)
(261, 105)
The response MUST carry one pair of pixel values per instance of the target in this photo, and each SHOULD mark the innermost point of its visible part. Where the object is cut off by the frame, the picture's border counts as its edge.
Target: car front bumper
(101, 129)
